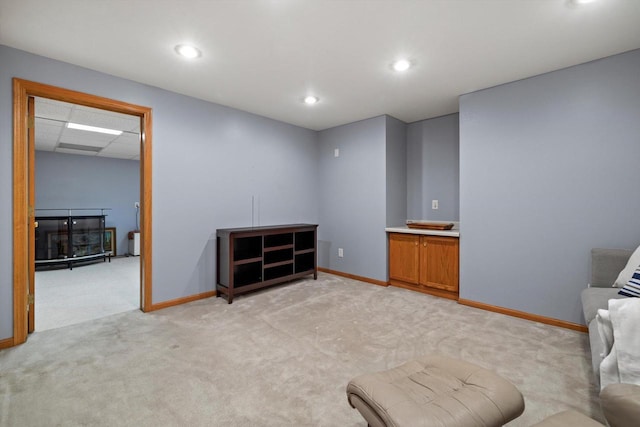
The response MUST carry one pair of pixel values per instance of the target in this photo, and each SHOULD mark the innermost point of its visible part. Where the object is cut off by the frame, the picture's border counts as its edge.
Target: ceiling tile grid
(52, 133)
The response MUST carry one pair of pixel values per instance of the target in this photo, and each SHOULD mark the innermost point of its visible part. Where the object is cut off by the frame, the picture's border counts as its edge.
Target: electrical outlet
(136, 205)
(434, 205)
(340, 253)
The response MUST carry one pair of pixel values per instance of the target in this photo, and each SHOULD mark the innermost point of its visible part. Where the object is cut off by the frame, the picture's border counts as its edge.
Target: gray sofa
(606, 264)
(620, 402)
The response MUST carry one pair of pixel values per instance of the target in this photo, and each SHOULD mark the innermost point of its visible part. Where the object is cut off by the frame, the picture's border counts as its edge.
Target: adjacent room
(87, 183)
(312, 213)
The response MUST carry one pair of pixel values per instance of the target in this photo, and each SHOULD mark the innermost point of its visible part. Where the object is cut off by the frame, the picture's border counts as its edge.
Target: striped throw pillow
(632, 288)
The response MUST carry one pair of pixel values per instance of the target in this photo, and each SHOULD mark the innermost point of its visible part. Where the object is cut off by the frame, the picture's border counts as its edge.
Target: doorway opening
(87, 193)
(24, 93)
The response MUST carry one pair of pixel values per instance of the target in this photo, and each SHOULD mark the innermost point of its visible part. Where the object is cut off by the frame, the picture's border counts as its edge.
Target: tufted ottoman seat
(435, 391)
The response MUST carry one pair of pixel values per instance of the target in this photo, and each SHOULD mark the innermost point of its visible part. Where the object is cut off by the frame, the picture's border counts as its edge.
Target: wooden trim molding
(183, 300)
(353, 276)
(6, 343)
(22, 90)
(425, 290)
(20, 213)
(146, 188)
(524, 315)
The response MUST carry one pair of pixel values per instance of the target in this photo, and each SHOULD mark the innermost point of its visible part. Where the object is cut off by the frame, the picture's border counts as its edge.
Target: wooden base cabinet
(424, 263)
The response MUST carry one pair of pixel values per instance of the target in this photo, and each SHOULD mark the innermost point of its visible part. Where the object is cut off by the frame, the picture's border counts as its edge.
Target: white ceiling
(52, 134)
(264, 56)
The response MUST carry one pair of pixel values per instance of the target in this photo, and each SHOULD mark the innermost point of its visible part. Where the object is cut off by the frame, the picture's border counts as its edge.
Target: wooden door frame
(23, 213)
(31, 228)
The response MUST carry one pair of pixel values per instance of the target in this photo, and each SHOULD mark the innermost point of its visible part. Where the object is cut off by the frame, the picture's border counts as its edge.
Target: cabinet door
(439, 262)
(403, 257)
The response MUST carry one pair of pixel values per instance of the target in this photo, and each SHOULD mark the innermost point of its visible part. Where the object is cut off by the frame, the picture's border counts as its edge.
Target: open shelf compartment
(305, 262)
(277, 240)
(305, 240)
(247, 248)
(247, 274)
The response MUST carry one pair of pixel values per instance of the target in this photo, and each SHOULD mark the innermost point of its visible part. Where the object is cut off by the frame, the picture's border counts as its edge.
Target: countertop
(454, 232)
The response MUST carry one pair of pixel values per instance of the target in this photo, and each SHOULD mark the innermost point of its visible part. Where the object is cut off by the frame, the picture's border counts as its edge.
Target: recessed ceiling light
(401, 65)
(582, 1)
(188, 51)
(310, 100)
(94, 129)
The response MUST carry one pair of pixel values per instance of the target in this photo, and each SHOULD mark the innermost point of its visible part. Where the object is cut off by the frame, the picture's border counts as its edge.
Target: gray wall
(76, 181)
(548, 170)
(208, 163)
(433, 170)
(361, 192)
(352, 198)
(396, 170)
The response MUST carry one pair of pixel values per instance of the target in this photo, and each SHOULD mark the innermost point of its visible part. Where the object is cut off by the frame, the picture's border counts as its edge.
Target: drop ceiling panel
(128, 122)
(116, 148)
(73, 136)
(50, 109)
(128, 138)
(118, 156)
(101, 119)
(47, 145)
(48, 125)
(47, 130)
(78, 152)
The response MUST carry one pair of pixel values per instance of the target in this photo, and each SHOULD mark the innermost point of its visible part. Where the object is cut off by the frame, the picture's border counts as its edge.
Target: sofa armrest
(606, 264)
(621, 404)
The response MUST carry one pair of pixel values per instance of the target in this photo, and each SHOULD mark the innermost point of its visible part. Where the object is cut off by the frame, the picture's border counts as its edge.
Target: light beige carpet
(280, 357)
